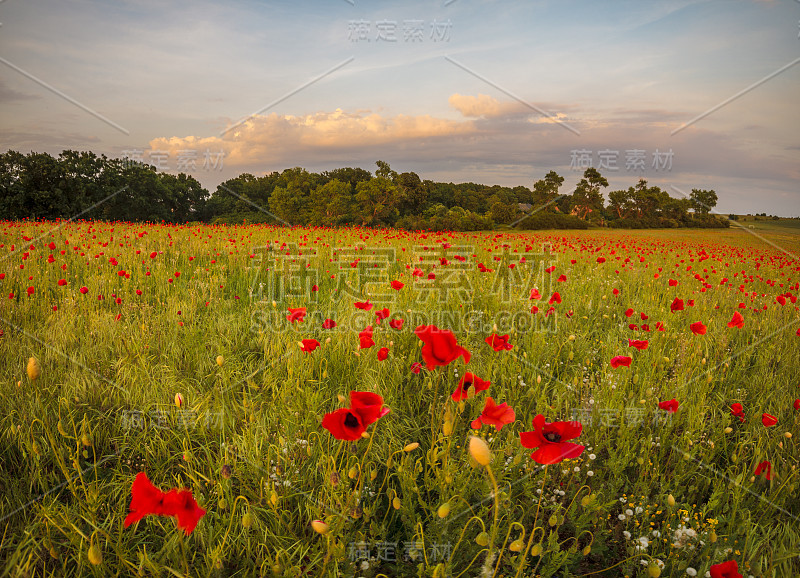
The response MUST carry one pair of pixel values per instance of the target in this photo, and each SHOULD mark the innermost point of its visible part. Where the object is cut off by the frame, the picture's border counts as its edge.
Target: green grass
(103, 407)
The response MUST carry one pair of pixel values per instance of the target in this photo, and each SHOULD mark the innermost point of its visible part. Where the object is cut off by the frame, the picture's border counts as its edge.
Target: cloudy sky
(685, 93)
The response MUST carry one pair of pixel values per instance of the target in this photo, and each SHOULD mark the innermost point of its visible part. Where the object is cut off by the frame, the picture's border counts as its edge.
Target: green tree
(545, 191)
(703, 201)
(587, 198)
(377, 202)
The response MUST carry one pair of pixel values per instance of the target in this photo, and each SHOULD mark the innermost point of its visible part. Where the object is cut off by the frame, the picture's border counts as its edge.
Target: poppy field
(252, 400)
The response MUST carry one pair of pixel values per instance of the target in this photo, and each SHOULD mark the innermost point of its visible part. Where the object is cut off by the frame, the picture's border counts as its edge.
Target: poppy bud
(516, 545)
(671, 500)
(553, 520)
(728, 430)
(482, 539)
(226, 471)
(352, 473)
(341, 398)
(178, 400)
(653, 570)
(247, 520)
(220, 360)
(34, 369)
(536, 550)
(443, 510)
(396, 503)
(95, 555)
(411, 447)
(479, 451)
(320, 527)
(587, 550)
(274, 499)
(447, 429)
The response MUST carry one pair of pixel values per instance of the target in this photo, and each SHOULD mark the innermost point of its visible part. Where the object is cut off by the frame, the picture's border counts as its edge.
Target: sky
(685, 93)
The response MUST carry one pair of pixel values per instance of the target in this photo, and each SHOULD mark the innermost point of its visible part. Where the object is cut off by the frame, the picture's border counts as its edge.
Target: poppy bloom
(738, 411)
(672, 282)
(416, 367)
(737, 320)
(344, 424)
(698, 328)
(765, 467)
(768, 420)
(365, 338)
(499, 342)
(493, 414)
(620, 360)
(677, 305)
(561, 279)
(535, 294)
(396, 324)
(628, 312)
(441, 347)
(383, 353)
(369, 406)
(670, 406)
(381, 314)
(328, 324)
(366, 305)
(556, 298)
(397, 285)
(31, 291)
(147, 500)
(796, 404)
(297, 314)
(84, 290)
(308, 345)
(729, 569)
(62, 282)
(638, 344)
(468, 384)
(552, 440)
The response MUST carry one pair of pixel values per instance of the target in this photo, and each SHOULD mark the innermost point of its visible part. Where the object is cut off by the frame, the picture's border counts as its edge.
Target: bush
(552, 221)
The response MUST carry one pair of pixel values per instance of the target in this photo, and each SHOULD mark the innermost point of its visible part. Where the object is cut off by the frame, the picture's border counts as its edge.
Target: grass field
(169, 350)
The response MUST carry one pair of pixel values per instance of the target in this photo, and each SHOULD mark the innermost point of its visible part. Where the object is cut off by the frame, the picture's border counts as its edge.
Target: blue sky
(460, 101)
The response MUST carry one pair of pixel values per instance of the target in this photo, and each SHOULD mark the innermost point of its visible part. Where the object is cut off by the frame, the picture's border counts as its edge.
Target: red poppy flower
(672, 282)
(368, 405)
(381, 314)
(628, 312)
(677, 305)
(698, 328)
(153, 255)
(328, 324)
(31, 291)
(469, 384)
(535, 294)
(738, 411)
(499, 342)
(147, 500)
(344, 424)
(84, 290)
(561, 279)
(309, 345)
(781, 299)
(768, 420)
(441, 346)
(396, 324)
(620, 360)
(638, 344)
(365, 338)
(297, 314)
(383, 353)
(493, 414)
(315, 288)
(764, 466)
(397, 285)
(556, 298)
(551, 439)
(729, 569)
(670, 406)
(366, 305)
(601, 259)
(62, 282)
(416, 367)
(615, 291)
(737, 320)
(796, 404)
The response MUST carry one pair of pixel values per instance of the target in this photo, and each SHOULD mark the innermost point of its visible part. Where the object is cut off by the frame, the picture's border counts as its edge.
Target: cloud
(278, 138)
(483, 105)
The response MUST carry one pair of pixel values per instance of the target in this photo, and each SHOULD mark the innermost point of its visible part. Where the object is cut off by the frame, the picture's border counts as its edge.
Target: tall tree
(703, 201)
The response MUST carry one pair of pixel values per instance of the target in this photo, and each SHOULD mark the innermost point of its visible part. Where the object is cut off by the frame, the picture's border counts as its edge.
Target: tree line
(84, 185)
